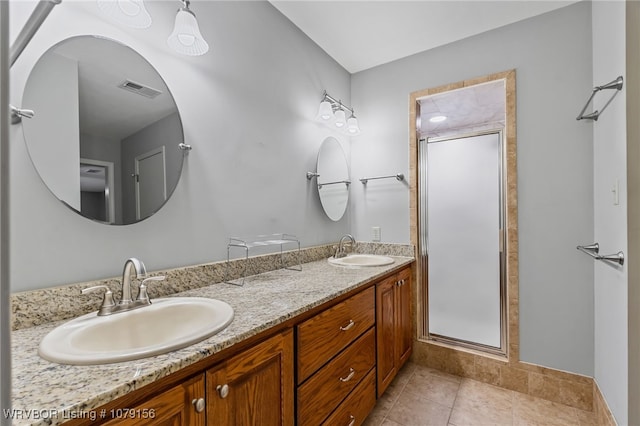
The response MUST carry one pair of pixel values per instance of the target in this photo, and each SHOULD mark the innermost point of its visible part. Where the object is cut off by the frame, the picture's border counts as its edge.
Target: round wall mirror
(106, 131)
(333, 178)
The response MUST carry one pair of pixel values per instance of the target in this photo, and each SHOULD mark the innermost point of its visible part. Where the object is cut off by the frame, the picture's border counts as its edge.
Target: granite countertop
(46, 393)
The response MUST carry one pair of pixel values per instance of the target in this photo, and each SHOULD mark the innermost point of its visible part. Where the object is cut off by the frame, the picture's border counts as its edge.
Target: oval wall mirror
(333, 178)
(106, 131)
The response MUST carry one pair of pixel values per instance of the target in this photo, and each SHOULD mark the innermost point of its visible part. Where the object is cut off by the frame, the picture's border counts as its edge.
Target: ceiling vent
(140, 89)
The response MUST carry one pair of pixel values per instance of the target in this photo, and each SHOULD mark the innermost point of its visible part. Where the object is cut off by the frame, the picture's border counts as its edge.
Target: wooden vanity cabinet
(346, 356)
(182, 405)
(254, 387)
(393, 326)
(336, 353)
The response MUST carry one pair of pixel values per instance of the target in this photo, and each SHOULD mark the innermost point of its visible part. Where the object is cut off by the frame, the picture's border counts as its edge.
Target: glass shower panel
(463, 238)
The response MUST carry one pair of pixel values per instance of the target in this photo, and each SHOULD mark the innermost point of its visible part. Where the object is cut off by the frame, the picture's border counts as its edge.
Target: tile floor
(424, 396)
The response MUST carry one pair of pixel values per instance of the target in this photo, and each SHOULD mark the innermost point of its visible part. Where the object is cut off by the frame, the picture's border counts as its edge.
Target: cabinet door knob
(223, 390)
(353, 420)
(348, 326)
(199, 404)
(349, 376)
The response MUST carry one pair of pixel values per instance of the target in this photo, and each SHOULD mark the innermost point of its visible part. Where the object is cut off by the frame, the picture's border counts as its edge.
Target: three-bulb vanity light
(333, 112)
(185, 38)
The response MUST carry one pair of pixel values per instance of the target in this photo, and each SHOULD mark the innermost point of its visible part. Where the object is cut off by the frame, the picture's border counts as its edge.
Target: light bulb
(341, 119)
(186, 37)
(325, 112)
(131, 13)
(438, 119)
(352, 125)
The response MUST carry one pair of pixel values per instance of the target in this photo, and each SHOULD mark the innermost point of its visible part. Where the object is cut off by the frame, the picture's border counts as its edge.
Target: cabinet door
(254, 387)
(175, 407)
(386, 332)
(404, 321)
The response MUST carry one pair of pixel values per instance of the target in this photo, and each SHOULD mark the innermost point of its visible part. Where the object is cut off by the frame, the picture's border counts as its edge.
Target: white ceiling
(105, 108)
(361, 34)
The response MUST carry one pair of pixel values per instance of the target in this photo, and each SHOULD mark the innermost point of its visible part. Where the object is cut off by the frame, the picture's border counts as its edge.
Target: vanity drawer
(355, 409)
(324, 335)
(324, 391)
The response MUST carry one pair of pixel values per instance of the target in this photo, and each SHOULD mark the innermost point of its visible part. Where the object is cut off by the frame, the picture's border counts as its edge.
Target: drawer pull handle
(353, 420)
(349, 376)
(199, 404)
(348, 326)
(223, 390)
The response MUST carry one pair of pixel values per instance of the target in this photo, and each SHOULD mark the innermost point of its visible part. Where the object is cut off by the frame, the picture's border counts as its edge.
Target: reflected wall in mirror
(333, 178)
(106, 132)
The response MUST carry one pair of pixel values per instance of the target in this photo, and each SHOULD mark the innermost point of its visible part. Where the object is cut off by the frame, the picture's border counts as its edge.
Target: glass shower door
(462, 198)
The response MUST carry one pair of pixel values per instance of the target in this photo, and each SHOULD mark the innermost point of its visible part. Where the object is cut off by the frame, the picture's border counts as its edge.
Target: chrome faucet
(126, 302)
(341, 249)
(141, 272)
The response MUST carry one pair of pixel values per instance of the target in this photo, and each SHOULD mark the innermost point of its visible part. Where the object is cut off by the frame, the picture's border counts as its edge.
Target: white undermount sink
(165, 325)
(358, 260)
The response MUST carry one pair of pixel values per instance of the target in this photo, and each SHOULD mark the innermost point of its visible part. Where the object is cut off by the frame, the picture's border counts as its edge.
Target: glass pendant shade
(131, 13)
(352, 126)
(341, 119)
(325, 112)
(186, 37)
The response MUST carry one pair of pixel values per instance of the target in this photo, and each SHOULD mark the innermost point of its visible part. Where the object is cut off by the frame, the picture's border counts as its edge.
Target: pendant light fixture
(334, 112)
(131, 13)
(186, 37)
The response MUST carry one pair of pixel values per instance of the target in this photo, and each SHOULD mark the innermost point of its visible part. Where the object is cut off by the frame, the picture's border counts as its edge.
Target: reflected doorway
(97, 189)
(150, 182)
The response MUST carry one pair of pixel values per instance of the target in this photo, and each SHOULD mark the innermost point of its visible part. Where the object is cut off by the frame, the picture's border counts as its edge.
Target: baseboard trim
(601, 410)
(558, 386)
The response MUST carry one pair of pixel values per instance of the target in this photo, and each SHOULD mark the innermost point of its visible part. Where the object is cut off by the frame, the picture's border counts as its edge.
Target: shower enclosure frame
(423, 241)
(432, 350)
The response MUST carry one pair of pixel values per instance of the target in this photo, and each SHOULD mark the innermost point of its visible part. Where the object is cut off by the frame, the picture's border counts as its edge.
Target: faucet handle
(142, 294)
(107, 301)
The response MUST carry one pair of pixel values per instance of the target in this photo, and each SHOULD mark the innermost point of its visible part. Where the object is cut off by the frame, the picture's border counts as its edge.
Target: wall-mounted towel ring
(615, 84)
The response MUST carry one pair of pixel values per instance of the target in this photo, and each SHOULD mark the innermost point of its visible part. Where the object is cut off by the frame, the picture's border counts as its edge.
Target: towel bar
(593, 250)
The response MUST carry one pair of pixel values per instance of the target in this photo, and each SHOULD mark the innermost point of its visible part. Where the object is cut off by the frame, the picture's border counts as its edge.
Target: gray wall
(165, 131)
(552, 57)
(248, 110)
(55, 130)
(610, 220)
(103, 148)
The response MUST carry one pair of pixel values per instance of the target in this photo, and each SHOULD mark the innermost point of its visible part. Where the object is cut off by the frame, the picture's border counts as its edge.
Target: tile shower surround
(34, 308)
